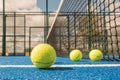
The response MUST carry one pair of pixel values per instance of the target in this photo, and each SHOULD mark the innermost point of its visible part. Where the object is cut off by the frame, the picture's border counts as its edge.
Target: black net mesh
(87, 25)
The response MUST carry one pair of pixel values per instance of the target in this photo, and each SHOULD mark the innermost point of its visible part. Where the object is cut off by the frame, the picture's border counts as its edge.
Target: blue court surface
(21, 68)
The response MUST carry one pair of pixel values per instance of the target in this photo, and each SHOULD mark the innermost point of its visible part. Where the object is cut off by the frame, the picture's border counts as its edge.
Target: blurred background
(65, 24)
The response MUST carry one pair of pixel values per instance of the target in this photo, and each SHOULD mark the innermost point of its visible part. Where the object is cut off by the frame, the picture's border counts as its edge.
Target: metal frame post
(29, 41)
(75, 29)
(60, 40)
(4, 31)
(46, 23)
(89, 26)
(68, 29)
(24, 34)
(14, 33)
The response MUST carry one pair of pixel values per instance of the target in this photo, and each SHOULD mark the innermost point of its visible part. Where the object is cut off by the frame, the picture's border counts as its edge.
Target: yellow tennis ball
(95, 55)
(75, 55)
(43, 56)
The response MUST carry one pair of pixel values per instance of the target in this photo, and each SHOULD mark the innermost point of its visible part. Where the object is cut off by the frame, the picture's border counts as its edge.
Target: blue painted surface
(58, 73)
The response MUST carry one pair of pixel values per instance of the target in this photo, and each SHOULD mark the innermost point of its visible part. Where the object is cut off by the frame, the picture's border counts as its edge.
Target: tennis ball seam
(78, 57)
(44, 62)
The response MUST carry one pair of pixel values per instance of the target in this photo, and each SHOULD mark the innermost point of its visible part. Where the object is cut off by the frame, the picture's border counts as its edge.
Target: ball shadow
(58, 68)
(58, 62)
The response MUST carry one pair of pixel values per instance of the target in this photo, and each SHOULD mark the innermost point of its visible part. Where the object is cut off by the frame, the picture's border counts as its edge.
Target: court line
(88, 65)
(63, 65)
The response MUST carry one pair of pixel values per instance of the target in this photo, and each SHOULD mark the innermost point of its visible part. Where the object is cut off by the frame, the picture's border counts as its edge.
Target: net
(87, 25)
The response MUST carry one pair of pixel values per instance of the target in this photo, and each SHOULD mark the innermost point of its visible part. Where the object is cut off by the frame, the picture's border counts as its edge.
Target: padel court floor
(21, 68)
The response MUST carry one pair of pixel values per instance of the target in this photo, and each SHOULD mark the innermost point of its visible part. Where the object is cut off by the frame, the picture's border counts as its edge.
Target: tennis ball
(43, 56)
(95, 55)
(75, 55)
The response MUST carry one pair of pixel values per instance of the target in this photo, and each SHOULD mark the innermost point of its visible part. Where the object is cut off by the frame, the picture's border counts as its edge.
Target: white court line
(88, 65)
(63, 65)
